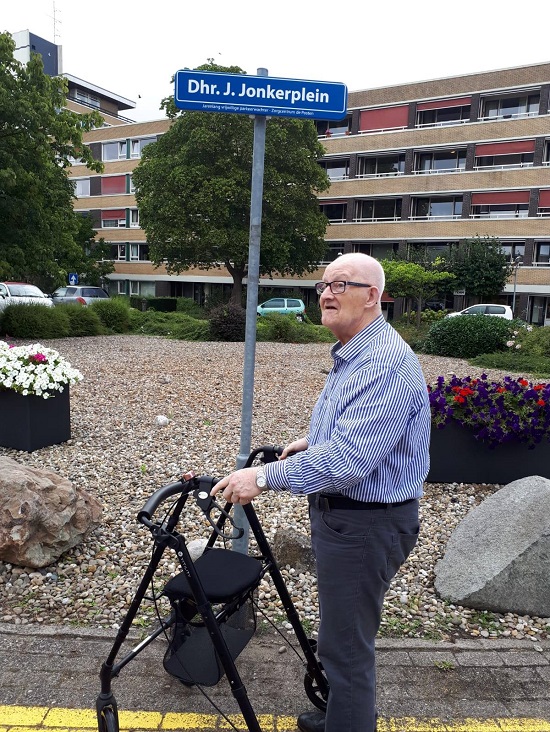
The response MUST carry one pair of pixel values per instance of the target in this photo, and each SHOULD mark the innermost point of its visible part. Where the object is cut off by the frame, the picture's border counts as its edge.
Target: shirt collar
(359, 341)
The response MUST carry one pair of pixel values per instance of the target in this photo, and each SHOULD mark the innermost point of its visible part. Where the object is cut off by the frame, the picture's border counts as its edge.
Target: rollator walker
(202, 645)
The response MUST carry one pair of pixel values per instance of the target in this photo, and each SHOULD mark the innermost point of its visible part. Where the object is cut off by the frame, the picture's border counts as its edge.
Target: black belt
(328, 501)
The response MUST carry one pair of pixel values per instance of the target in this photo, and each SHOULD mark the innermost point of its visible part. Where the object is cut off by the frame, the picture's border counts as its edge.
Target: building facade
(420, 165)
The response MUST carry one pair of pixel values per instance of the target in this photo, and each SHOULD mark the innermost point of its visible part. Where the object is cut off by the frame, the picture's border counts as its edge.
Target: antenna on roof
(56, 22)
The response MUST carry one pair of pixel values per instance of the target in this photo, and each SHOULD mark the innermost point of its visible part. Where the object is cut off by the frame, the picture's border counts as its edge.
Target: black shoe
(311, 722)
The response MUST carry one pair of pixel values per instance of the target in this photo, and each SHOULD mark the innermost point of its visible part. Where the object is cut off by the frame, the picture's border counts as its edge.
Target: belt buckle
(323, 503)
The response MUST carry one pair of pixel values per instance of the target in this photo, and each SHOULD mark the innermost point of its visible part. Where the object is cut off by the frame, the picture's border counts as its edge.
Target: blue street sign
(212, 91)
(73, 278)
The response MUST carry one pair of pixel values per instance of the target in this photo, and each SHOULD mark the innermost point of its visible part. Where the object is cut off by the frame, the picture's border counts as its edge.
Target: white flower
(35, 370)
(509, 344)
(518, 345)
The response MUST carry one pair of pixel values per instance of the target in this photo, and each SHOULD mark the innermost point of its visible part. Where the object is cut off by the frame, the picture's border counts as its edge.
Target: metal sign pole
(256, 199)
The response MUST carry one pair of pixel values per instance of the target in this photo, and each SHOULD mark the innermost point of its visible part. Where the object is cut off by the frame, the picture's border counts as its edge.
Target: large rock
(41, 514)
(498, 557)
(293, 548)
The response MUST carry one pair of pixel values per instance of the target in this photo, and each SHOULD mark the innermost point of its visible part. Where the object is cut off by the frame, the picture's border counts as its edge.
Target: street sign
(73, 278)
(269, 96)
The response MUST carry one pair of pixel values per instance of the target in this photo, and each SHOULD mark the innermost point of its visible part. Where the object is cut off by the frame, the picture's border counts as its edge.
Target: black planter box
(457, 457)
(31, 422)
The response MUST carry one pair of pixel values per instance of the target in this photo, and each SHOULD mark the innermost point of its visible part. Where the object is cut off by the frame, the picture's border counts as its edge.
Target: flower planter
(31, 422)
(457, 457)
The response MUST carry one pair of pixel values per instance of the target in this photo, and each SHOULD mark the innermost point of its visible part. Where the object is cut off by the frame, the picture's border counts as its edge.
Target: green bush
(517, 362)
(467, 336)
(286, 329)
(163, 304)
(83, 321)
(532, 339)
(114, 314)
(227, 323)
(191, 329)
(188, 306)
(34, 321)
(313, 313)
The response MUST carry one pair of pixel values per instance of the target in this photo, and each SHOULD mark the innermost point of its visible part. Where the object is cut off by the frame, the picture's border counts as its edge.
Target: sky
(134, 49)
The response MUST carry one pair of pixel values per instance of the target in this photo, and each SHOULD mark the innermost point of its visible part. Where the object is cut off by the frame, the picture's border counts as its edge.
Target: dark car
(82, 294)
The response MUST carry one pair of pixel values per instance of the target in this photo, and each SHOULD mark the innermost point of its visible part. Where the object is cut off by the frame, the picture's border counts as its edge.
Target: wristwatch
(261, 481)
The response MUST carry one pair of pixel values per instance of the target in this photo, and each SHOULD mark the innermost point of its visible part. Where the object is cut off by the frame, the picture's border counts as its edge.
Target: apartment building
(425, 164)
(431, 163)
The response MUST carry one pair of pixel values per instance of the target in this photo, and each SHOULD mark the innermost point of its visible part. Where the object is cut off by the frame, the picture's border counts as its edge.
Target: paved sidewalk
(500, 684)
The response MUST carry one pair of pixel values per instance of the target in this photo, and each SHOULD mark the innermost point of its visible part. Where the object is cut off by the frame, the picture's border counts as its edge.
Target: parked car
(21, 293)
(283, 305)
(82, 294)
(500, 311)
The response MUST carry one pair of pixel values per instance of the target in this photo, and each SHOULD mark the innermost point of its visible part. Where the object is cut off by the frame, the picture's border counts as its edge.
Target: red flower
(459, 399)
(539, 387)
(541, 402)
(523, 382)
(500, 389)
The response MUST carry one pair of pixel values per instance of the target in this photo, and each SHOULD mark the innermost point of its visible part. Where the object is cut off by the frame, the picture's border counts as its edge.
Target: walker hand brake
(207, 504)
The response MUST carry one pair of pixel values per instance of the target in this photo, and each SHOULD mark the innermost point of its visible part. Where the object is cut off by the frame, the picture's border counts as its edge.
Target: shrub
(188, 306)
(191, 329)
(228, 323)
(313, 313)
(114, 314)
(466, 336)
(514, 361)
(534, 340)
(83, 321)
(164, 304)
(287, 329)
(34, 321)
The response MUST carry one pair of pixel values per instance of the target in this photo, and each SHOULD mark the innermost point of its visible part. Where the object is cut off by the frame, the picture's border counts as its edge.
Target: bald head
(348, 312)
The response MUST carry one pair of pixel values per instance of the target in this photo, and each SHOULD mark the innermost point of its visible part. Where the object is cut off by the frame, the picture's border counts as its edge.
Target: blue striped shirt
(370, 429)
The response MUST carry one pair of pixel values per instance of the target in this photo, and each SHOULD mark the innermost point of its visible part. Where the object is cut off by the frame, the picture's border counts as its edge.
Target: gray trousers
(357, 554)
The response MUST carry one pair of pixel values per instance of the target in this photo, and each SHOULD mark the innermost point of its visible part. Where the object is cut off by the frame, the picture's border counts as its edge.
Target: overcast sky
(134, 49)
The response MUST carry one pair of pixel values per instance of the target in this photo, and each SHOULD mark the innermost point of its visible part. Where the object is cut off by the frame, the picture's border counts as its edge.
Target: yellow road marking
(32, 719)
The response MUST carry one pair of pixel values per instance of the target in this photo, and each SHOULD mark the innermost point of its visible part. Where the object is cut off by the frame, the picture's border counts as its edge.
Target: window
(378, 209)
(373, 167)
(513, 250)
(131, 186)
(118, 252)
(441, 117)
(84, 97)
(114, 219)
(439, 161)
(335, 211)
(113, 184)
(137, 146)
(333, 128)
(520, 105)
(135, 287)
(544, 203)
(82, 187)
(336, 169)
(542, 253)
(500, 205)
(437, 207)
(134, 218)
(517, 154)
(385, 118)
(546, 160)
(113, 150)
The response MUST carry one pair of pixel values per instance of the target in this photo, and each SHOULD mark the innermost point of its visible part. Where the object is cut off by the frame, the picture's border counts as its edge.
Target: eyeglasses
(338, 286)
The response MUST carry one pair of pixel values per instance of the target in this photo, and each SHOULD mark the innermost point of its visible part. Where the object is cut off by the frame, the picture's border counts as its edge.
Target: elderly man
(362, 468)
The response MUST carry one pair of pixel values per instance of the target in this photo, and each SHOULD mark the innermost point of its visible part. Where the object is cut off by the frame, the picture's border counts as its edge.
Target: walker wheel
(314, 694)
(108, 720)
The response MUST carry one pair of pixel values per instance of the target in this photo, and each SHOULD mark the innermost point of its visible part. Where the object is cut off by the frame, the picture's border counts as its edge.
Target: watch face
(260, 480)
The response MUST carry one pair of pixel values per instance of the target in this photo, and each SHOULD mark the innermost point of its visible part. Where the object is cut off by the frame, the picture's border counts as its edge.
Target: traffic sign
(269, 96)
(73, 278)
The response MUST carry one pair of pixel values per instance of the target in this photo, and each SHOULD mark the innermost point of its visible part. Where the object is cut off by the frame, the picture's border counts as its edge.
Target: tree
(480, 266)
(414, 281)
(38, 227)
(193, 191)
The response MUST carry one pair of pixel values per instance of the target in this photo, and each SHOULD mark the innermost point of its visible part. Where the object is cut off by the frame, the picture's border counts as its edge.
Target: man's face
(347, 313)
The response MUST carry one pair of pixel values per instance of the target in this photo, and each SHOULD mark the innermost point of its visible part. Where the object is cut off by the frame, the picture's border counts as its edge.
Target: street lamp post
(516, 263)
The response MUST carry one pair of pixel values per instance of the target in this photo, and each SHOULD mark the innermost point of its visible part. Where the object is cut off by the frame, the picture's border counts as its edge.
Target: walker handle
(207, 504)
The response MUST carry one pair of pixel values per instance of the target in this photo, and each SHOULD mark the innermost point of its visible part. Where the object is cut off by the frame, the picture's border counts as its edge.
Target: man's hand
(239, 487)
(296, 446)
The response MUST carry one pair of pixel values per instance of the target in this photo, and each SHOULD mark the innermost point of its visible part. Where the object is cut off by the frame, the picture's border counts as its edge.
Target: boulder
(42, 515)
(498, 556)
(293, 548)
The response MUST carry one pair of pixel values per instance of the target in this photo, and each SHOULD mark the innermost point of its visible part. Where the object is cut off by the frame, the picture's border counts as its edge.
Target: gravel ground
(120, 454)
